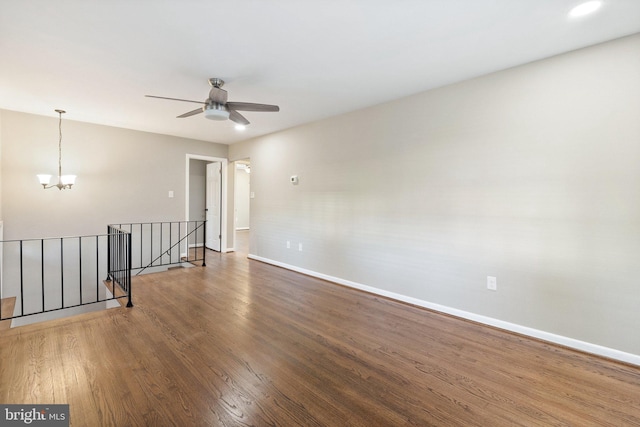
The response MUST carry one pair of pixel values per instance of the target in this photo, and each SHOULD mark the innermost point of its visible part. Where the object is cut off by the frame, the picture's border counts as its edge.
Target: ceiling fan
(216, 107)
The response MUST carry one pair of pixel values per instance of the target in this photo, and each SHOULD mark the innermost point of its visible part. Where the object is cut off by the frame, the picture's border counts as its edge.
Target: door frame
(223, 184)
(213, 196)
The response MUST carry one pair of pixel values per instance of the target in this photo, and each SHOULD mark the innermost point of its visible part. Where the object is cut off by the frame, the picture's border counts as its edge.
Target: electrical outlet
(288, 244)
(300, 247)
(492, 283)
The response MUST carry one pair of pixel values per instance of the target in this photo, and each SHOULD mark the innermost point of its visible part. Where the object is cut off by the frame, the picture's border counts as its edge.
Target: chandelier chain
(60, 145)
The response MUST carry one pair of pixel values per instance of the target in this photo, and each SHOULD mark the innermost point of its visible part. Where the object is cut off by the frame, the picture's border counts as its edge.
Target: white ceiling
(313, 58)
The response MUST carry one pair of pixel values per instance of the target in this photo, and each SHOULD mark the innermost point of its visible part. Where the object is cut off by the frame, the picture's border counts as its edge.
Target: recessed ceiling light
(240, 127)
(585, 9)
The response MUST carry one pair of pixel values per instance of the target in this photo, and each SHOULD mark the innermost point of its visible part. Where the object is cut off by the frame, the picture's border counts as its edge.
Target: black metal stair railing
(163, 244)
(119, 260)
(51, 274)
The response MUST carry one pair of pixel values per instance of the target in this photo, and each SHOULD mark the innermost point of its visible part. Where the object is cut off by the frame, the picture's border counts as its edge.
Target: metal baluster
(42, 270)
(128, 272)
(141, 240)
(21, 283)
(62, 271)
(108, 252)
(160, 255)
(204, 242)
(80, 266)
(98, 263)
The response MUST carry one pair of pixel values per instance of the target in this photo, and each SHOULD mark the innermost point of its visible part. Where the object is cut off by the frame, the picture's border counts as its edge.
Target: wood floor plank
(241, 343)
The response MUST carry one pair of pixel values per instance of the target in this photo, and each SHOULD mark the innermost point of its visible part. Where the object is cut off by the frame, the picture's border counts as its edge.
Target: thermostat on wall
(294, 179)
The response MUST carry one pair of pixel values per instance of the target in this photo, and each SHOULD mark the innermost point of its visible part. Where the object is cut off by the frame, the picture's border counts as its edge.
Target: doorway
(241, 208)
(206, 197)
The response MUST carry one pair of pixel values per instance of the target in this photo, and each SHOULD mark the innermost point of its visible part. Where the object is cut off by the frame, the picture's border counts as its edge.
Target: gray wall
(530, 175)
(123, 175)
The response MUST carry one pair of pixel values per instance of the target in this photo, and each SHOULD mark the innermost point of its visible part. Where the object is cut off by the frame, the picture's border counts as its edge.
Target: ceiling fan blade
(190, 113)
(249, 106)
(234, 116)
(176, 99)
(218, 95)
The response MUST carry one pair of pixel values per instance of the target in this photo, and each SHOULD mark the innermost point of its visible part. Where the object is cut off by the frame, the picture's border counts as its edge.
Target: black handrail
(51, 274)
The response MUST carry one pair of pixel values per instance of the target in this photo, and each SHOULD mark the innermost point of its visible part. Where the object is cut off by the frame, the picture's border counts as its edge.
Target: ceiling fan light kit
(216, 112)
(216, 107)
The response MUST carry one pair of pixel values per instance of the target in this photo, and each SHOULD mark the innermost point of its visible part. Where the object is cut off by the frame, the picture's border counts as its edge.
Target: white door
(213, 205)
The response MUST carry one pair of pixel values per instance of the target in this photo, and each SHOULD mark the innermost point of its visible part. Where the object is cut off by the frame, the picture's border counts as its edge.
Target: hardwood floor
(241, 343)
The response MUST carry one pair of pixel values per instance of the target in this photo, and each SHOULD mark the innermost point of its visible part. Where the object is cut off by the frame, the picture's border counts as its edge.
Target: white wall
(123, 176)
(530, 175)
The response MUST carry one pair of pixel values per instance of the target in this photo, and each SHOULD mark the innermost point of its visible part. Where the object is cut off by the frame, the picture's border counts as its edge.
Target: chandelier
(64, 181)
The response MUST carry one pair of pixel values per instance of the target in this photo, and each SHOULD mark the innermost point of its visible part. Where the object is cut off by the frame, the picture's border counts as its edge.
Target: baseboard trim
(512, 327)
